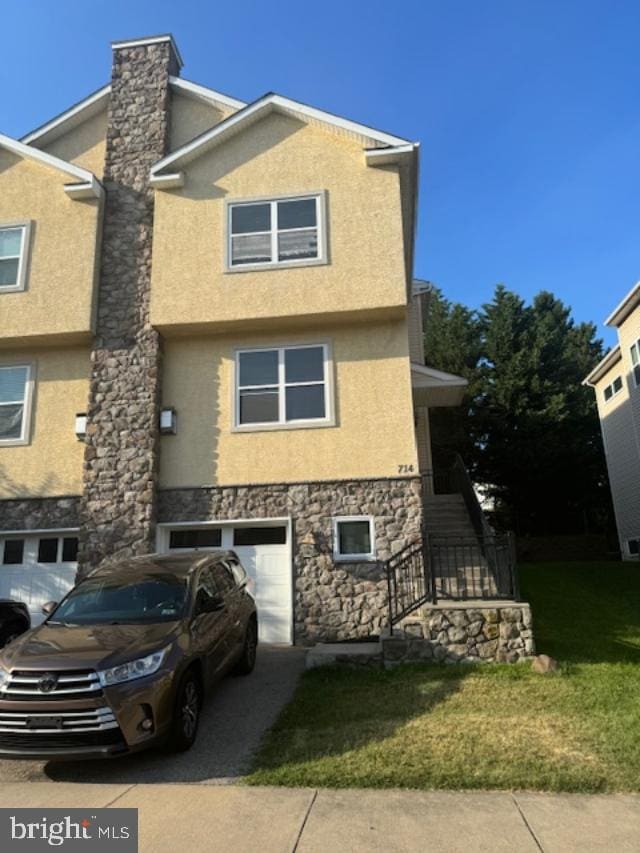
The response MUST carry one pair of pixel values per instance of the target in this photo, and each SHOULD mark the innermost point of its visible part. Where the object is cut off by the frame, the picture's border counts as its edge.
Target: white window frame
(23, 257)
(27, 402)
(354, 558)
(274, 263)
(635, 366)
(614, 392)
(282, 423)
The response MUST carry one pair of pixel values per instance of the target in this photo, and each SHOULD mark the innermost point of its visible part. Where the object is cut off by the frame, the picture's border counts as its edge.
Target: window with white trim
(15, 402)
(635, 362)
(14, 241)
(354, 538)
(612, 389)
(282, 386)
(276, 232)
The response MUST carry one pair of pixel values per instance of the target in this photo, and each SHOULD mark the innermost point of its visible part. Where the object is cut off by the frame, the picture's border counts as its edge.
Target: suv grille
(68, 684)
(93, 720)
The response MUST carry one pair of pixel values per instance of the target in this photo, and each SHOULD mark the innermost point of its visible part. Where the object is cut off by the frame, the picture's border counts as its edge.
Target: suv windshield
(109, 600)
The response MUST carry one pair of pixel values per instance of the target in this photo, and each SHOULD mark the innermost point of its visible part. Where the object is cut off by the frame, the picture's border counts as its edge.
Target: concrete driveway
(236, 715)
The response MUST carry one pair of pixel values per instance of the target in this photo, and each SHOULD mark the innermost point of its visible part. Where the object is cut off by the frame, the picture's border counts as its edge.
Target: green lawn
(487, 726)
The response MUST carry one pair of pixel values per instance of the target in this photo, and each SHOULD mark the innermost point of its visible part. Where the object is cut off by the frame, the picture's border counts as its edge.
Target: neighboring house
(211, 336)
(616, 381)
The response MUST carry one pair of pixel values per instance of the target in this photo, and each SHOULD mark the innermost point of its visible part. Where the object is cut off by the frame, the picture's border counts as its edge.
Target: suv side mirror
(209, 604)
(213, 604)
(49, 607)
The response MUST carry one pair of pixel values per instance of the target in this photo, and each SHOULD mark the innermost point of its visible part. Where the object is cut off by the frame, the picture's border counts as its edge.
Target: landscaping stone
(544, 664)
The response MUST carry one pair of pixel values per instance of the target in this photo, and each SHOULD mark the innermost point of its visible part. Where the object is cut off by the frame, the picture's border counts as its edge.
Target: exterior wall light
(168, 422)
(81, 425)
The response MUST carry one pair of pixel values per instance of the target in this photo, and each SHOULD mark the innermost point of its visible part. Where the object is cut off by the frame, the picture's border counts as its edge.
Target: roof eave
(622, 311)
(603, 366)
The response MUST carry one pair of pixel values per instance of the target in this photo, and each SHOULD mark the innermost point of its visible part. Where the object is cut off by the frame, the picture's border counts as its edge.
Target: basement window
(614, 388)
(16, 387)
(354, 538)
(14, 243)
(276, 232)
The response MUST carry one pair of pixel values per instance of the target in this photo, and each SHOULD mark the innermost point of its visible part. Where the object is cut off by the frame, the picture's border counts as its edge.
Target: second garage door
(264, 550)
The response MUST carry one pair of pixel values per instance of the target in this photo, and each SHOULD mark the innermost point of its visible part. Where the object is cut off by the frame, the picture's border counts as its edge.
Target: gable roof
(98, 101)
(622, 311)
(371, 139)
(603, 366)
(86, 185)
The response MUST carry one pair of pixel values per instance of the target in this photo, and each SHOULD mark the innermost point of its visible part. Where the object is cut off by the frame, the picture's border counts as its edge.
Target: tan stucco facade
(51, 463)
(191, 117)
(373, 435)
(61, 281)
(279, 155)
(84, 145)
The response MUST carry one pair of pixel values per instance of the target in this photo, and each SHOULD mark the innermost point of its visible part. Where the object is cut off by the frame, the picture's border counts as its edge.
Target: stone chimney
(121, 454)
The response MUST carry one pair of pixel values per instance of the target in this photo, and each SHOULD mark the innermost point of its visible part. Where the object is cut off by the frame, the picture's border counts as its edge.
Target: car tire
(10, 632)
(247, 659)
(186, 716)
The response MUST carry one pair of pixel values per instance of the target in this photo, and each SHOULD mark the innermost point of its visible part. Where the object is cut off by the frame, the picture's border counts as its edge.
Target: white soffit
(67, 120)
(604, 366)
(244, 118)
(98, 102)
(622, 311)
(85, 185)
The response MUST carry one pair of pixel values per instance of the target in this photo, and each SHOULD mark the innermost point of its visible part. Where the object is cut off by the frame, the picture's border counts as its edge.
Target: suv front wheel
(187, 713)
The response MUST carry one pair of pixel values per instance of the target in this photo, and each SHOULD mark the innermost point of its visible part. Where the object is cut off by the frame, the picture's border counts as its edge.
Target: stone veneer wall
(40, 513)
(332, 601)
(121, 456)
(465, 632)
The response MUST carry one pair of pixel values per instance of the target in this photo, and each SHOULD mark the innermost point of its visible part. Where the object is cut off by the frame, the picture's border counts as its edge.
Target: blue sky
(527, 113)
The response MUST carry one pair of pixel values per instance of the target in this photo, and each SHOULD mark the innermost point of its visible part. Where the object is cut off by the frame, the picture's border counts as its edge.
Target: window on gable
(282, 231)
(353, 538)
(284, 385)
(612, 389)
(15, 388)
(13, 251)
(635, 362)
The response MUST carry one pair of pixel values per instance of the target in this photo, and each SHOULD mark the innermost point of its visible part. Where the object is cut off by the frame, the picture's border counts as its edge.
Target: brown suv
(123, 662)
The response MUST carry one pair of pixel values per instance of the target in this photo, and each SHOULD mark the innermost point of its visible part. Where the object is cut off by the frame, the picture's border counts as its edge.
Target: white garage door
(264, 551)
(37, 569)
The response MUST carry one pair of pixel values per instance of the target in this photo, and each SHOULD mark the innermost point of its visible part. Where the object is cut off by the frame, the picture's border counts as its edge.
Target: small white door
(37, 569)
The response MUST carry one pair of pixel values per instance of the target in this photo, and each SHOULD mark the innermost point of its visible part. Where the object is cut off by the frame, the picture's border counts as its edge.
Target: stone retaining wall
(332, 601)
(465, 632)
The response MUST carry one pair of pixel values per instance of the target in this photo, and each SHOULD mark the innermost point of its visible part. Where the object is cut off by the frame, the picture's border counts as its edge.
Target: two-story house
(210, 336)
(616, 382)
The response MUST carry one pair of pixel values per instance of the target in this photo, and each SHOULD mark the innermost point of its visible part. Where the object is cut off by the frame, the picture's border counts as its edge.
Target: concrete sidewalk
(236, 819)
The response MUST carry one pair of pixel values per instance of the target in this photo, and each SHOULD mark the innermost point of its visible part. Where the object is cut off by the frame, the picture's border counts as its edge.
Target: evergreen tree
(529, 428)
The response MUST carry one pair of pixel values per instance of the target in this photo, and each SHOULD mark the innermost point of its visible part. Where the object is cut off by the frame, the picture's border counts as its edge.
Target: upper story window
(276, 232)
(612, 389)
(14, 242)
(283, 386)
(635, 362)
(15, 403)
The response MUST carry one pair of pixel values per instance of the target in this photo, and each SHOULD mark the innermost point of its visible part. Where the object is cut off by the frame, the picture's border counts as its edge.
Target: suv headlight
(133, 669)
(4, 677)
